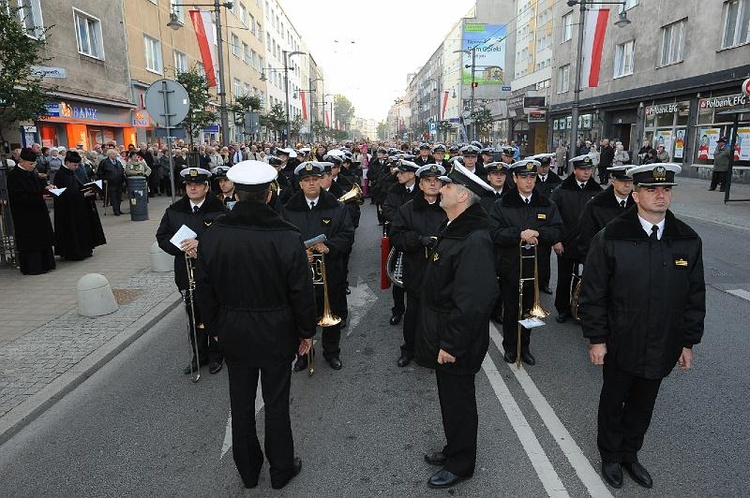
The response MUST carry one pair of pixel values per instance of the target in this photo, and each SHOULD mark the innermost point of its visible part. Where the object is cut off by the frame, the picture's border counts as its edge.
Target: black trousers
(279, 445)
(718, 178)
(458, 407)
(626, 404)
(115, 198)
(208, 346)
(509, 294)
(411, 319)
(544, 252)
(398, 300)
(565, 268)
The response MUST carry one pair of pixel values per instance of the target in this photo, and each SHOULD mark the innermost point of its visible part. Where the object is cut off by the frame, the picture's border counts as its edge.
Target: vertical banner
(328, 119)
(303, 99)
(445, 103)
(204, 31)
(595, 28)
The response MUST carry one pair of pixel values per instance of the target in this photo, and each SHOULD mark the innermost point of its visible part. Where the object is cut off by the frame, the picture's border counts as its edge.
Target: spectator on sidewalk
(722, 155)
(33, 229)
(136, 165)
(606, 157)
(643, 151)
(621, 155)
(112, 171)
(54, 162)
(661, 154)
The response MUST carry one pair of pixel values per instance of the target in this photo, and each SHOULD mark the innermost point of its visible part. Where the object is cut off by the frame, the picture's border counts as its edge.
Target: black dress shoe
(435, 458)
(335, 363)
(509, 357)
(348, 291)
(403, 360)
(612, 473)
(545, 289)
(296, 469)
(192, 367)
(562, 318)
(639, 474)
(301, 363)
(528, 358)
(343, 323)
(444, 479)
(396, 318)
(215, 367)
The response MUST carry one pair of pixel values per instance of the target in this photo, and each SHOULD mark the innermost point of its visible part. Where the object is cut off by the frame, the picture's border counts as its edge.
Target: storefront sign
(515, 102)
(534, 102)
(65, 110)
(91, 113)
(670, 108)
(723, 102)
(141, 119)
(29, 129)
(537, 116)
(58, 73)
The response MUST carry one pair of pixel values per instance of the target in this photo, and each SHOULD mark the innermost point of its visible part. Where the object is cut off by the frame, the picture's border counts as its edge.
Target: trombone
(195, 376)
(353, 196)
(537, 310)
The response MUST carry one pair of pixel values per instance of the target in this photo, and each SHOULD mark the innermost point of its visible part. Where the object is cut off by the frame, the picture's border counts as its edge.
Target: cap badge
(308, 167)
(433, 169)
(193, 172)
(587, 159)
(660, 173)
(529, 166)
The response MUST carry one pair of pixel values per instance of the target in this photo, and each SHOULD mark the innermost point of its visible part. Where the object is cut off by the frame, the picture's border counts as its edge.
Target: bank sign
(737, 100)
(489, 60)
(65, 110)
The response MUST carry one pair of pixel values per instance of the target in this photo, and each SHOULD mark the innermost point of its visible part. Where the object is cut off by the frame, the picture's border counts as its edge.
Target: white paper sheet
(57, 191)
(531, 322)
(182, 234)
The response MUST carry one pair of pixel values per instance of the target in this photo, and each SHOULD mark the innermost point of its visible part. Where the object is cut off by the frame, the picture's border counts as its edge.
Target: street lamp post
(286, 91)
(575, 106)
(312, 113)
(175, 24)
(473, 52)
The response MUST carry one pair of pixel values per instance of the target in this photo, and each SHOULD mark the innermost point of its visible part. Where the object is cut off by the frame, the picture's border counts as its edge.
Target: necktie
(622, 204)
(196, 209)
(527, 200)
(312, 204)
(582, 185)
(542, 179)
(654, 233)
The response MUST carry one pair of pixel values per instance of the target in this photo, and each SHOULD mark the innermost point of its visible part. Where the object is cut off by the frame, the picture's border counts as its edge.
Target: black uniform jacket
(458, 295)
(254, 286)
(30, 214)
(417, 218)
(181, 213)
(421, 162)
(598, 212)
(397, 197)
(329, 217)
(510, 216)
(78, 228)
(380, 179)
(546, 187)
(645, 299)
(570, 200)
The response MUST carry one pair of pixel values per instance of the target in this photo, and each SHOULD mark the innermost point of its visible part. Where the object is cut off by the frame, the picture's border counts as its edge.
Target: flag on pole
(595, 28)
(328, 119)
(205, 32)
(445, 102)
(303, 98)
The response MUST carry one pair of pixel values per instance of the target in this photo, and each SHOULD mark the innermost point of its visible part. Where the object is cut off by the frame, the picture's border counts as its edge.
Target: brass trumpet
(537, 310)
(354, 195)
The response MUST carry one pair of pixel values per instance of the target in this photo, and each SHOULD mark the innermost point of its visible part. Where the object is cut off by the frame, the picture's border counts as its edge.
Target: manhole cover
(126, 296)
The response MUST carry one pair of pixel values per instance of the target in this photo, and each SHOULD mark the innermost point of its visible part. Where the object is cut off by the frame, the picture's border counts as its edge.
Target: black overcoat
(570, 200)
(254, 286)
(78, 228)
(178, 214)
(417, 218)
(646, 299)
(33, 228)
(340, 188)
(458, 295)
(549, 185)
(397, 197)
(598, 212)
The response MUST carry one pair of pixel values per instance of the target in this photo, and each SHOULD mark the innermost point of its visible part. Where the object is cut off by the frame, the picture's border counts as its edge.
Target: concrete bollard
(95, 297)
(160, 261)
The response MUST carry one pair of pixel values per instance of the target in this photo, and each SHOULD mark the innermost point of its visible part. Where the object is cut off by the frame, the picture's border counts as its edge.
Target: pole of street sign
(168, 125)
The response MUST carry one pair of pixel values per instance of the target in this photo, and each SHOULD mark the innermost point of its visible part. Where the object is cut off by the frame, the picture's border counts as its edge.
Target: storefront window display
(665, 124)
(712, 125)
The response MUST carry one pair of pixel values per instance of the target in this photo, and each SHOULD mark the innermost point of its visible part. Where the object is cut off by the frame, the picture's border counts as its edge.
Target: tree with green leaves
(343, 110)
(483, 122)
(241, 105)
(23, 92)
(444, 127)
(274, 120)
(199, 115)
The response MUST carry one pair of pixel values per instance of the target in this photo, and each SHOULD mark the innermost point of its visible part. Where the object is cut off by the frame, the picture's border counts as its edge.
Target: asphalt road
(138, 427)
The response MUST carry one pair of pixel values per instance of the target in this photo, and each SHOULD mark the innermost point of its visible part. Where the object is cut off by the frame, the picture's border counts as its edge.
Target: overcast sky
(366, 48)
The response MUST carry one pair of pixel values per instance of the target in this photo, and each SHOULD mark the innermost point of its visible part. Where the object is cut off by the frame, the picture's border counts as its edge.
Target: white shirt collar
(620, 199)
(312, 200)
(524, 198)
(647, 227)
(193, 204)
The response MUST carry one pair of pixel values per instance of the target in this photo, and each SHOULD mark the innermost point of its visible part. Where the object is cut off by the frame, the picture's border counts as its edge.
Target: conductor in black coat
(314, 212)
(78, 228)
(642, 307)
(33, 229)
(414, 231)
(262, 321)
(456, 302)
(523, 216)
(571, 197)
(197, 210)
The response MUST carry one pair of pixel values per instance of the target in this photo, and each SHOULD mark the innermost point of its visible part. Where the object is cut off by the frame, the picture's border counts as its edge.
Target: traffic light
(474, 84)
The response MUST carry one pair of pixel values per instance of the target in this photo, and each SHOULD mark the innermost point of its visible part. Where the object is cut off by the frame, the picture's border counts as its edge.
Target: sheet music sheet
(182, 234)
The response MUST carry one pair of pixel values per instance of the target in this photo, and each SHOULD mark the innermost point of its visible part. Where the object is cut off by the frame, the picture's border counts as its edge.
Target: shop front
(666, 123)
(561, 126)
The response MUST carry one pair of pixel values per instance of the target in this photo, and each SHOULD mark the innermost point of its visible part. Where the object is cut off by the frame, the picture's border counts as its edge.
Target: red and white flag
(328, 119)
(593, 43)
(205, 32)
(445, 103)
(303, 98)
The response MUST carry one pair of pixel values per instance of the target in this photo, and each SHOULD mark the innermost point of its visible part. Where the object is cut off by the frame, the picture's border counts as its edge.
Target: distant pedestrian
(661, 154)
(112, 171)
(621, 155)
(722, 155)
(606, 157)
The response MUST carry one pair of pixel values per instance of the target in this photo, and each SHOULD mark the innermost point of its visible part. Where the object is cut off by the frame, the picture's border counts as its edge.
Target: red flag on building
(204, 31)
(593, 43)
(303, 98)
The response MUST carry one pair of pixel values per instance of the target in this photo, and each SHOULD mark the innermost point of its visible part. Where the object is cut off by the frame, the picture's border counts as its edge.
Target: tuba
(394, 266)
(353, 196)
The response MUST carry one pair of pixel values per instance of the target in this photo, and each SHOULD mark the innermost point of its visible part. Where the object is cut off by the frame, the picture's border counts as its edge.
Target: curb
(26, 412)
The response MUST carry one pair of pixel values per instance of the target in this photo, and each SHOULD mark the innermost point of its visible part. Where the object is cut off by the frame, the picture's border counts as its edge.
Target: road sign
(433, 128)
(167, 102)
(746, 87)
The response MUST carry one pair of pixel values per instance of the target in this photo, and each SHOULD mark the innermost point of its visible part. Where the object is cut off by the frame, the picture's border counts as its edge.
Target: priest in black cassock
(33, 229)
(78, 228)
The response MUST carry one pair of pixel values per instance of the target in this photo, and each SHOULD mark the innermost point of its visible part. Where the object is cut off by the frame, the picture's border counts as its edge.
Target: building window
(672, 43)
(624, 58)
(180, 62)
(628, 4)
(253, 28)
(153, 54)
(563, 79)
(245, 53)
(88, 35)
(243, 15)
(254, 59)
(567, 22)
(236, 87)
(736, 23)
(236, 45)
(30, 16)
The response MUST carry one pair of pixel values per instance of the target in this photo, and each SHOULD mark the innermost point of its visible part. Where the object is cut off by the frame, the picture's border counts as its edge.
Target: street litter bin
(138, 193)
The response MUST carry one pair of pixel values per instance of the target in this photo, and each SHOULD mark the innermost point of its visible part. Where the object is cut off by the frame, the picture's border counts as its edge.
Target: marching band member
(546, 183)
(197, 210)
(227, 194)
(521, 216)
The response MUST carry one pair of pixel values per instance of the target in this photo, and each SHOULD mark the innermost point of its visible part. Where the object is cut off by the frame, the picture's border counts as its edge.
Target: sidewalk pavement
(46, 348)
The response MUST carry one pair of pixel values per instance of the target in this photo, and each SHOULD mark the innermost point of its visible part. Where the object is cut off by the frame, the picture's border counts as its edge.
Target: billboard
(489, 63)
